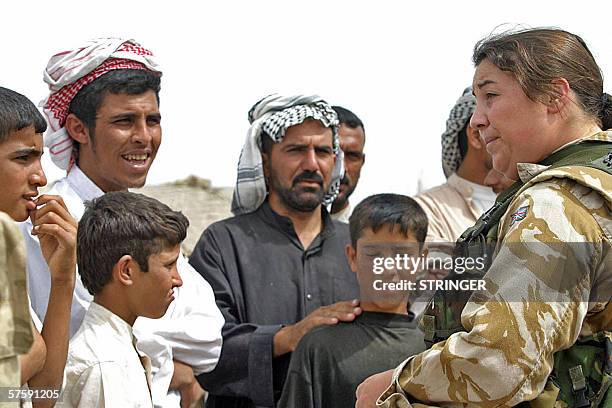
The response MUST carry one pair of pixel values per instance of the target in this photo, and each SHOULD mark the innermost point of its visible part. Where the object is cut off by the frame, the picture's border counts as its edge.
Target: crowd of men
(274, 307)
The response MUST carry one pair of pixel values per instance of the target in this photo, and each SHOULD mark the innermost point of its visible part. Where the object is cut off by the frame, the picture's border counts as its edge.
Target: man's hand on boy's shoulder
(287, 338)
(57, 233)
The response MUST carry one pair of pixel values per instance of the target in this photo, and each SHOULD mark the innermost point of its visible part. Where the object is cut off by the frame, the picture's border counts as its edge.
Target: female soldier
(540, 111)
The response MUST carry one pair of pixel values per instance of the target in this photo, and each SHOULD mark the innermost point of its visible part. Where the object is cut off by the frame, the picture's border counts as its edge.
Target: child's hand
(56, 230)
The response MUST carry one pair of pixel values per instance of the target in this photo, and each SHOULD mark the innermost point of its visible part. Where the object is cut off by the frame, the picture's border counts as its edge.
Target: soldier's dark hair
(348, 118)
(123, 223)
(18, 112)
(87, 102)
(389, 210)
(538, 56)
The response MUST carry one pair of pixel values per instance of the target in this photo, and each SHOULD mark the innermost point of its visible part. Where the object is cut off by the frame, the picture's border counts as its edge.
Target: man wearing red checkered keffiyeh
(105, 130)
(69, 71)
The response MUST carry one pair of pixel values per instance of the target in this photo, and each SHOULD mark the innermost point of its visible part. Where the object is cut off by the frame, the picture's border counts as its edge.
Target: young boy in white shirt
(127, 248)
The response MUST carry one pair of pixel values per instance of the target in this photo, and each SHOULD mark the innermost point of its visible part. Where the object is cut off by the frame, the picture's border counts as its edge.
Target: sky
(399, 65)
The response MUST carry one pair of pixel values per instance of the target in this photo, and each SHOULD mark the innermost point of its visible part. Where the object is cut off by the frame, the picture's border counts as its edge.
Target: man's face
(352, 141)
(299, 168)
(21, 173)
(125, 142)
(153, 290)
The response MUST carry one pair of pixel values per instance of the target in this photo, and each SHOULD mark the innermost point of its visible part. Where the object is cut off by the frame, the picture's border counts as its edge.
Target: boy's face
(152, 291)
(21, 172)
(385, 256)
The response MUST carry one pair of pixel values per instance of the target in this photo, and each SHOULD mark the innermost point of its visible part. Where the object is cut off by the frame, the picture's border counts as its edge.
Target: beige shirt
(104, 369)
(451, 208)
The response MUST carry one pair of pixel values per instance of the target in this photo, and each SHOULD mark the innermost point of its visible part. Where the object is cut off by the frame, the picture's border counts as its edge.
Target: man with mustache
(105, 130)
(454, 206)
(277, 268)
(352, 143)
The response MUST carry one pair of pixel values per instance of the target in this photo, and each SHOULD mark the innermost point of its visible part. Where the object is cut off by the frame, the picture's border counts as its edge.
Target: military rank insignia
(519, 215)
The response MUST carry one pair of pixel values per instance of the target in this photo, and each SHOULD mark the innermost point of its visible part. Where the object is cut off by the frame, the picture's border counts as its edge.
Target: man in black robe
(278, 267)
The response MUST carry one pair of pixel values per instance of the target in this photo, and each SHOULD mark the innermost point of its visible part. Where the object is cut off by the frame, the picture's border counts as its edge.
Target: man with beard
(278, 267)
(352, 142)
(455, 206)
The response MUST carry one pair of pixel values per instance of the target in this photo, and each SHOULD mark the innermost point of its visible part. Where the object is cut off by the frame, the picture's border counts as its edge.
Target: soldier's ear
(561, 100)
(77, 129)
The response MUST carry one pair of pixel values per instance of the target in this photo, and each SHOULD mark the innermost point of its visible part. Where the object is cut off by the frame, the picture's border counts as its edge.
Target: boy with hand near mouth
(21, 174)
(128, 247)
(331, 361)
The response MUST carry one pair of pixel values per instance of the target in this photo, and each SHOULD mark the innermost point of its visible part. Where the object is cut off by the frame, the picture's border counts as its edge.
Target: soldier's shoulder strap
(588, 153)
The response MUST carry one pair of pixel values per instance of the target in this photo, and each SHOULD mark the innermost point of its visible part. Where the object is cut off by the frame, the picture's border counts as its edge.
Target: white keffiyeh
(273, 115)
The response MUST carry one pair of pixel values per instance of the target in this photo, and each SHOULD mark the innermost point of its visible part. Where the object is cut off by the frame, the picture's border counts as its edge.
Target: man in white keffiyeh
(270, 118)
(278, 267)
(105, 130)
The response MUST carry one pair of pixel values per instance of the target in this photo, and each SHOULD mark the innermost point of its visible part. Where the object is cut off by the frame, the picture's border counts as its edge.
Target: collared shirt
(15, 323)
(263, 279)
(451, 207)
(548, 285)
(104, 368)
(343, 215)
(189, 332)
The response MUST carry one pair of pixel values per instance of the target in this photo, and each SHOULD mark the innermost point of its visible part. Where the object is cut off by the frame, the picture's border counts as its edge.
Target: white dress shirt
(189, 332)
(104, 369)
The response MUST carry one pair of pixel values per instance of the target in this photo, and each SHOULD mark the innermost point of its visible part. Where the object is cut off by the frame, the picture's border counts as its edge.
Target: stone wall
(201, 203)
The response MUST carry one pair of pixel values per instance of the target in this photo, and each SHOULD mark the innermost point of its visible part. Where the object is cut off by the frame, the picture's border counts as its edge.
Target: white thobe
(189, 332)
(104, 368)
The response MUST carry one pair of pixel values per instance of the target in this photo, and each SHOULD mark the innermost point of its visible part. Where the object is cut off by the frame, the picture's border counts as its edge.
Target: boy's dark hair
(123, 223)
(18, 112)
(389, 210)
(348, 118)
(88, 100)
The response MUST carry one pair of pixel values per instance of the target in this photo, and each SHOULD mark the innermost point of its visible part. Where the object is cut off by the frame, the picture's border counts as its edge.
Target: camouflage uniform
(16, 333)
(514, 327)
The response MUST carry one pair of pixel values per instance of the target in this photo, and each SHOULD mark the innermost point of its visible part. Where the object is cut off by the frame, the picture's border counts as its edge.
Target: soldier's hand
(286, 339)
(371, 388)
(56, 230)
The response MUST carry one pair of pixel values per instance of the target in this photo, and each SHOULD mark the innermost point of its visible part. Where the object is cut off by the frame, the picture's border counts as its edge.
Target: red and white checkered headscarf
(69, 71)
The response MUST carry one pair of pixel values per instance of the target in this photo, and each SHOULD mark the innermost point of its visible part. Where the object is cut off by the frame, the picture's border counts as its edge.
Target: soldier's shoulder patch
(519, 215)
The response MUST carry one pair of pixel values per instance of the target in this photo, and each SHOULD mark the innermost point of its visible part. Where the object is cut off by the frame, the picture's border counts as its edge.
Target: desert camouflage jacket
(549, 283)
(15, 328)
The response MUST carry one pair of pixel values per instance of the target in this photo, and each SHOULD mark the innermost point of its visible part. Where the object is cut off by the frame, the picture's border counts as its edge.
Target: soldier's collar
(527, 171)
